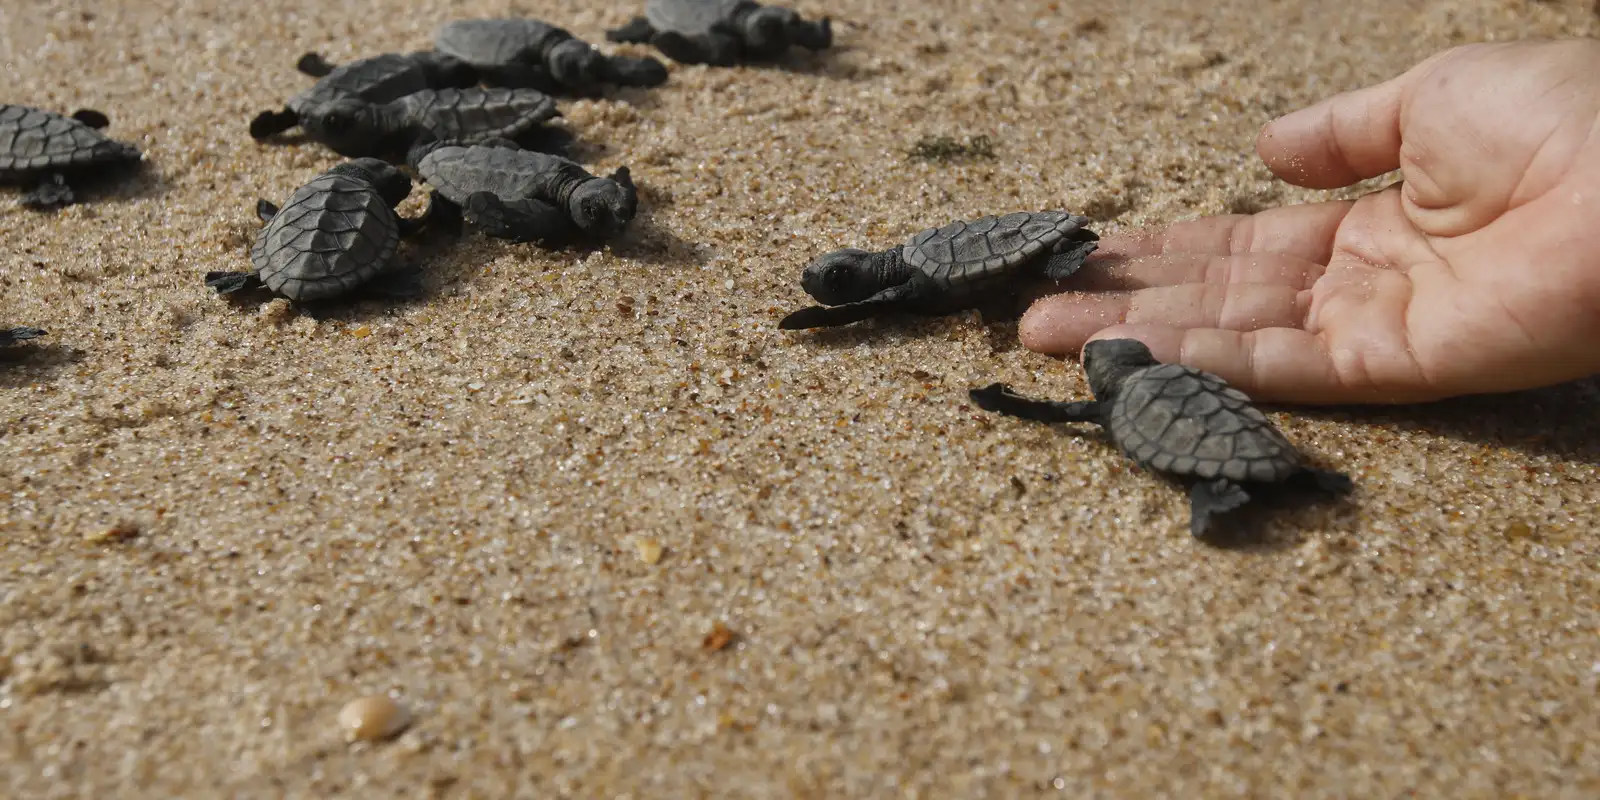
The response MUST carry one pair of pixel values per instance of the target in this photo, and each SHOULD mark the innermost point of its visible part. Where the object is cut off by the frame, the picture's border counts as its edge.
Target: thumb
(1341, 140)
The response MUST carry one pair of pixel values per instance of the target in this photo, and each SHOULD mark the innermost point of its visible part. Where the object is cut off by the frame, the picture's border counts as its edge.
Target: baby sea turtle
(1177, 420)
(356, 129)
(525, 196)
(533, 54)
(10, 336)
(943, 269)
(722, 32)
(379, 79)
(336, 233)
(43, 151)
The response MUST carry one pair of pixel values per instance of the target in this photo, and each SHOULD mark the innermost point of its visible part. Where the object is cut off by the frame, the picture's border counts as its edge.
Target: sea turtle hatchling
(722, 32)
(530, 53)
(379, 79)
(337, 232)
(356, 129)
(43, 151)
(941, 270)
(10, 336)
(525, 196)
(1178, 420)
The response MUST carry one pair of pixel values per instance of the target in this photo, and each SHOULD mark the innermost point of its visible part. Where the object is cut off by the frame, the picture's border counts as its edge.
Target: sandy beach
(606, 532)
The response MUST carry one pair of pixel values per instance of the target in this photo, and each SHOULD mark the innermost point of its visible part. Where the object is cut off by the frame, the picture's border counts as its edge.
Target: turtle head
(842, 276)
(1109, 361)
(766, 29)
(603, 206)
(575, 63)
(348, 126)
(392, 184)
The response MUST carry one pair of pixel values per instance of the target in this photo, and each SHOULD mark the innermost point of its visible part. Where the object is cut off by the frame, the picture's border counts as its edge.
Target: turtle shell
(459, 171)
(490, 42)
(379, 79)
(33, 140)
(1180, 420)
(693, 17)
(472, 115)
(334, 234)
(988, 247)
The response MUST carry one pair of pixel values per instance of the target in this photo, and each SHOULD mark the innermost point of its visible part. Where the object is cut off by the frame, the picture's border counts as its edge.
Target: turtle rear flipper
(50, 193)
(271, 123)
(232, 282)
(525, 220)
(999, 398)
(313, 65)
(10, 336)
(630, 71)
(1068, 259)
(1209, 498)
(91, 117)
(637, 31)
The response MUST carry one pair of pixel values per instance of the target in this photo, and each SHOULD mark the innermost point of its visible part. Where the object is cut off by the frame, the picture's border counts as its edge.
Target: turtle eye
(332, 122)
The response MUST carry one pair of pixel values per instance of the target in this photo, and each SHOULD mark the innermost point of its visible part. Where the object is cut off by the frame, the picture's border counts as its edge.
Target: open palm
(1478, 272)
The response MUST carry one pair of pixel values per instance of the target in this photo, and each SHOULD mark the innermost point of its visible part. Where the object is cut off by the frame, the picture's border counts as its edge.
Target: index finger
(1304, 231)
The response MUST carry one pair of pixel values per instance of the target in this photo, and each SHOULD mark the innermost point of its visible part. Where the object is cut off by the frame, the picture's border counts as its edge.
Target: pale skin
(1477, 272)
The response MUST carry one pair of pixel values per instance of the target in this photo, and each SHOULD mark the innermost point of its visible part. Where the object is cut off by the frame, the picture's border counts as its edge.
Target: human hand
(1479, 272)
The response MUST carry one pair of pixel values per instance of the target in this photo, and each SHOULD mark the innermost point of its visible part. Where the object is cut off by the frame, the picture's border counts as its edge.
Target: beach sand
(222, 522)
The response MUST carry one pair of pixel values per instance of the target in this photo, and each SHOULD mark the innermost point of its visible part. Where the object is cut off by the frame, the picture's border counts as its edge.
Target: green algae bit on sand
(947, 148)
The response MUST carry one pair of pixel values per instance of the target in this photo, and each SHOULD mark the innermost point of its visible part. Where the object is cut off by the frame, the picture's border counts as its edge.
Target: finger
(1304, 231)
(1343, 139)
(1278, 365)
(1060, 325)
(1174, 269)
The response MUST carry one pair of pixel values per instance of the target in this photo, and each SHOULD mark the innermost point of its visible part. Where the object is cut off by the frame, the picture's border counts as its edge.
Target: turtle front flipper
(813, 35)
(622, 176)
(1325, 481)
(717, 48)
(271, 123)
(520, 76)
(91, 117)
(434, 214)
(525, 220)
(637, 31)
(231, 282)
(630, 71)
(396, 283)
(313, 65)
(50, 193)
(265, 210)
(443, 215)
(1209, 498)
(999, 398)
(10, 336)
(904, 296)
